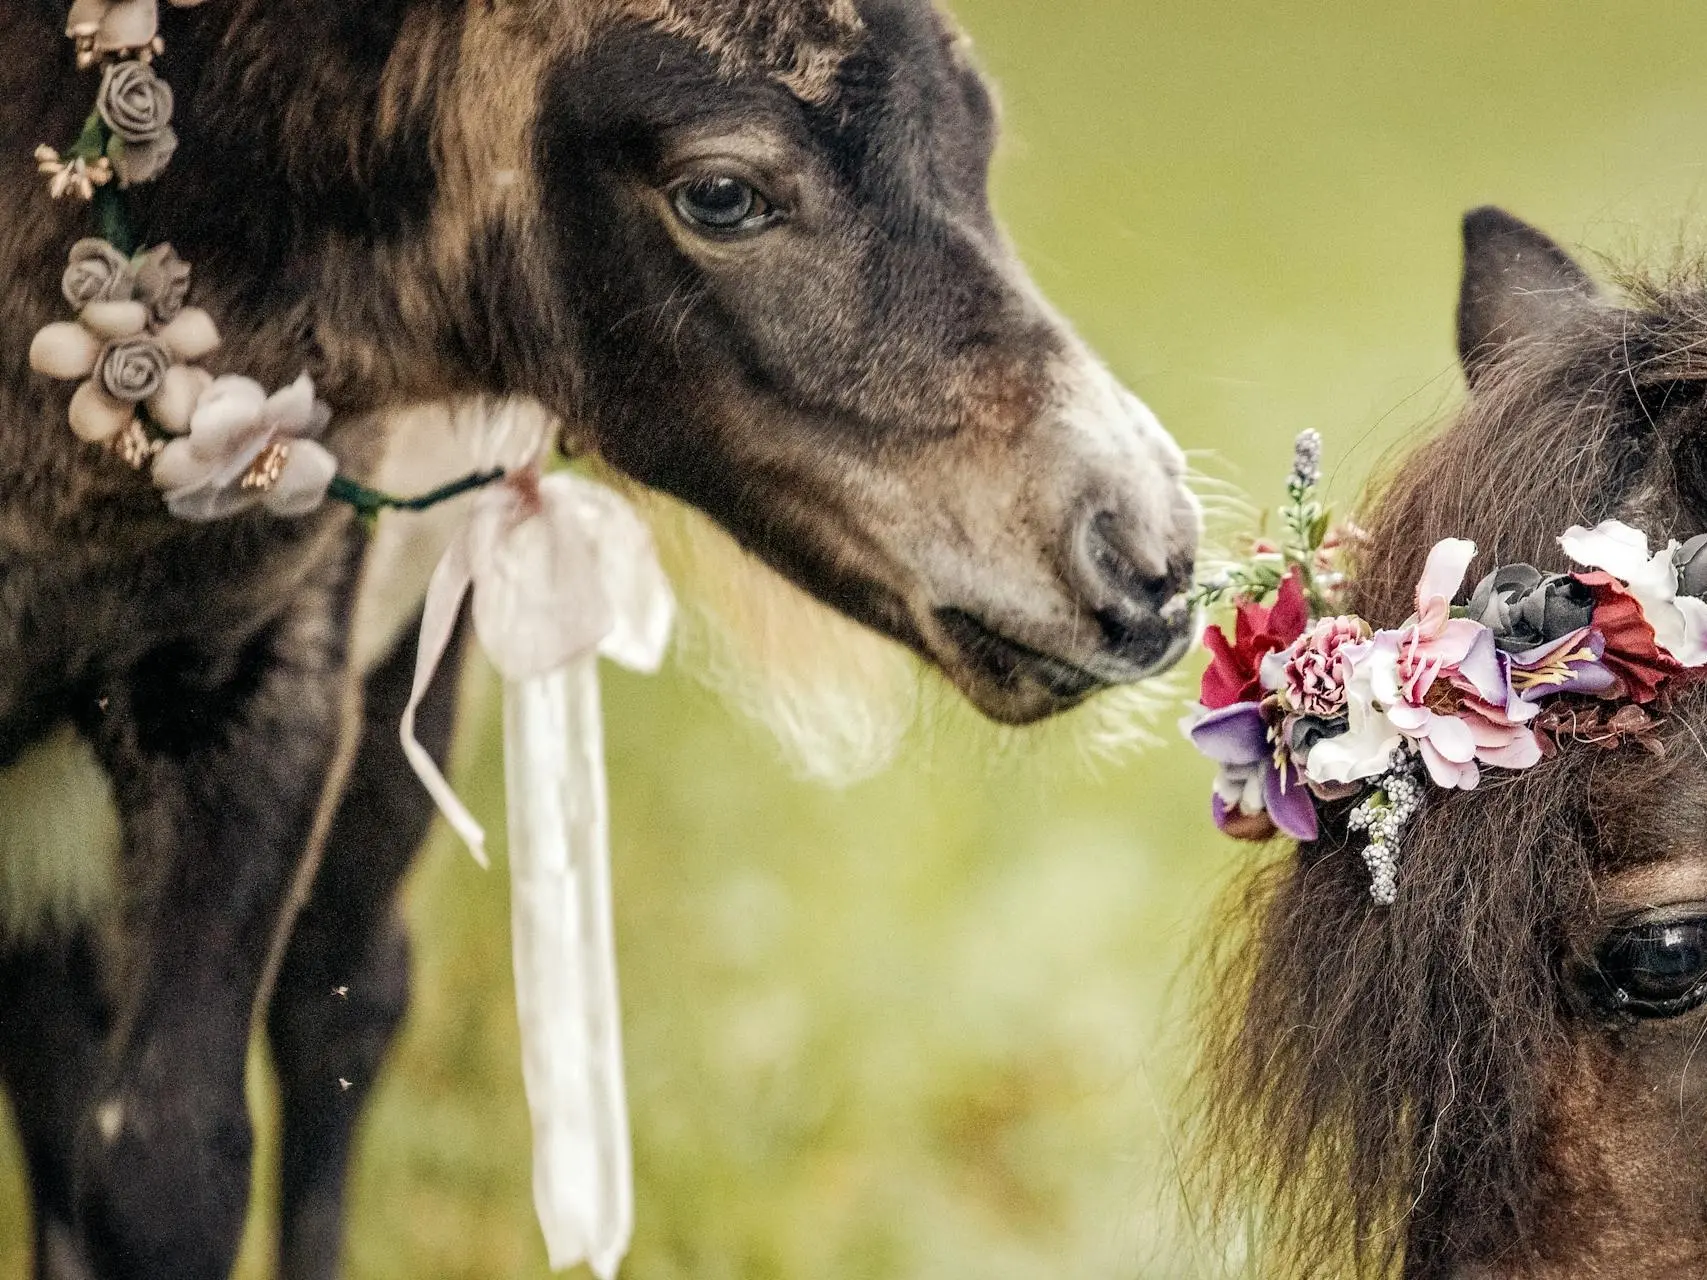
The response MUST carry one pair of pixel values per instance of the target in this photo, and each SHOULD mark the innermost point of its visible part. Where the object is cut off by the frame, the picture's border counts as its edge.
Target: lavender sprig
(1304, 527)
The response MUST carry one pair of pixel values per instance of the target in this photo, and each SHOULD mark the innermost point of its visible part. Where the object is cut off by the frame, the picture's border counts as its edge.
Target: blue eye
(721, 203)
(1654, 971)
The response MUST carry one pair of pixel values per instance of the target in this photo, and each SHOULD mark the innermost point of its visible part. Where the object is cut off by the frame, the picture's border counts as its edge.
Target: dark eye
(1654, 970)
(721, 203)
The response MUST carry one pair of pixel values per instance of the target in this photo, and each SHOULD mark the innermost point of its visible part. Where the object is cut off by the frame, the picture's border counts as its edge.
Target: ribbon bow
(562, 570)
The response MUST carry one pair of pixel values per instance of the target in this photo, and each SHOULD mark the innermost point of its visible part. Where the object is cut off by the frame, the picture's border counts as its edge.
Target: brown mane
(1368, 1079)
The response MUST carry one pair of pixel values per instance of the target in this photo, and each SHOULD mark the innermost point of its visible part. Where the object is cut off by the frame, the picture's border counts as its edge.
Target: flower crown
(1305, 705)
(214, 447)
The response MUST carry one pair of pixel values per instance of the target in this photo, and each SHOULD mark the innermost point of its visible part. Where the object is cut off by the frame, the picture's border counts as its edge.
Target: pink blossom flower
(1434, 640)
(1445, 686)
(115, 26)
(245, 448)
(1499, 740)
(1318, 667)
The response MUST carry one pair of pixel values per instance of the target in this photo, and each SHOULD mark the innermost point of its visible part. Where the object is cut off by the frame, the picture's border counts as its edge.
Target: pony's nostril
(1115, 581)
(1135, 594)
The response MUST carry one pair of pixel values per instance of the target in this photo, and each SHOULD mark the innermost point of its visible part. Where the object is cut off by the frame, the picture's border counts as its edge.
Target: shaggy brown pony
(741, 249)
(1493, 1077)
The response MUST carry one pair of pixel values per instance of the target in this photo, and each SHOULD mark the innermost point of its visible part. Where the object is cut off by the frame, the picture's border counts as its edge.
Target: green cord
(91, 144)
(113, 218)
(370, 502)
(114, 225)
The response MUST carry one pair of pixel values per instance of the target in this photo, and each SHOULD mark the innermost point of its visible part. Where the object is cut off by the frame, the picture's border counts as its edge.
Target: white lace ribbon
(562, 571)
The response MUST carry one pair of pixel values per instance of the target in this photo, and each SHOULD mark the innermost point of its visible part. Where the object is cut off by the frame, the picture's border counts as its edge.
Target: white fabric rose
(117, 26)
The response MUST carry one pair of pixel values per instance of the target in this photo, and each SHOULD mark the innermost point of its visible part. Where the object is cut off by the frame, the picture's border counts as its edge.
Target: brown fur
(462, 202)
(1423, 1088)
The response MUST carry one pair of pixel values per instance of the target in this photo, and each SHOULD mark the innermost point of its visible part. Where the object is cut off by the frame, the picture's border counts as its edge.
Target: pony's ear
(1518, 286)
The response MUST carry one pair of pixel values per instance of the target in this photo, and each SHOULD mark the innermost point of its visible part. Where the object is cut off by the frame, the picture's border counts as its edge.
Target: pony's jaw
(1034, 556)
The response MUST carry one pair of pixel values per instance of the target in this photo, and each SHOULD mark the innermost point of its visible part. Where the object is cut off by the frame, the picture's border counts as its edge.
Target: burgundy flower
(1258, 630)
(1318, 668)
(1631, 652)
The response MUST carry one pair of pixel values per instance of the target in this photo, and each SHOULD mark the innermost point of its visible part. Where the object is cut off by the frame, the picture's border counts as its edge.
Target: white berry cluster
(1384, 815)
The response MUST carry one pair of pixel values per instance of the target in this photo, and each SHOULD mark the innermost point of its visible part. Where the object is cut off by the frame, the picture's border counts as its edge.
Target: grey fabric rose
(1525, 608)
(135, 103)
(1691, 562)
(132, 369)
(1303, 732)
(96, 272)
(137, 106)
(137, 162)
(162, 283)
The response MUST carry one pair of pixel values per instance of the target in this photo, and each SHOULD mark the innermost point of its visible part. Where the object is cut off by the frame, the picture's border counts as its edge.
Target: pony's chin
(1015, 685)
(838, 698)
(1022, 702)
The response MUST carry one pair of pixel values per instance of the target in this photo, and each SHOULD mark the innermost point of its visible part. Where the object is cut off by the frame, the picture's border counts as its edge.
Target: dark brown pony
(1497, 1076)
(741, 249)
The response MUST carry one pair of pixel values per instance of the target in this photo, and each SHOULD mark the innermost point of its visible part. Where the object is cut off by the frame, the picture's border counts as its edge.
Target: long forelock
(1370, 1080)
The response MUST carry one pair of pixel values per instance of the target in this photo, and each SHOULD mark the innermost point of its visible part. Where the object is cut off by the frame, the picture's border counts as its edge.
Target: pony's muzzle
(1123, 615)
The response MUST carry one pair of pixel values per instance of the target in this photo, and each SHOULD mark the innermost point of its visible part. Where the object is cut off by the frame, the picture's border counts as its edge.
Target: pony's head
(744, 248)
(808, 325)
(1495, 1077)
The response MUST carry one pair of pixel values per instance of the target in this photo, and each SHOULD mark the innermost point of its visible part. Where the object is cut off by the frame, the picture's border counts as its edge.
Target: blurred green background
(932, 1027)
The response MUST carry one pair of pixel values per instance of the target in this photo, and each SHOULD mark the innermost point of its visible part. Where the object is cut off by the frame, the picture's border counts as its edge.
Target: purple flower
(1254, 795)
(1570, 664)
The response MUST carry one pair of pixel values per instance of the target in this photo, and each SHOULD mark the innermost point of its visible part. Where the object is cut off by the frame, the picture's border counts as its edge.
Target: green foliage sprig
(1305, 545)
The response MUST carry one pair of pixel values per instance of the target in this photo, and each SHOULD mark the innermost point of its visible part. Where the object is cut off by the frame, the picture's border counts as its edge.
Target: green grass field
(932, 1027)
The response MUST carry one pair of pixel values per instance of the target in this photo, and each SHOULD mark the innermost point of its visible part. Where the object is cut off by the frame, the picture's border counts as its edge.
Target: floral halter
(1304, 705)
(214, 447)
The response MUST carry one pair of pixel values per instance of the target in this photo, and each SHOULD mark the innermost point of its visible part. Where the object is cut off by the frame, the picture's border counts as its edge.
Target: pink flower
(1434, 640)
(1444, 684)
(1318, 668)
(245, 448)
(1500, 741)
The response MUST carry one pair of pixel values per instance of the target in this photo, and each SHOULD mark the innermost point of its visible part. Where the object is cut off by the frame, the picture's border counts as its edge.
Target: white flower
(245, 449)
(116, 26)
(1366, 747)
(74, 177)
(1679, 622)
(1240, 787)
